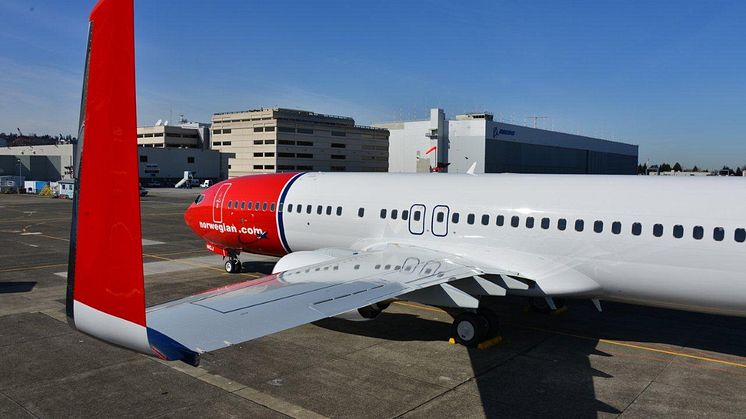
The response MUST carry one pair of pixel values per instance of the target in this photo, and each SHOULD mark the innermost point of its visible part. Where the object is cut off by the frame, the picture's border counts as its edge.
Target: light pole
(18, 187)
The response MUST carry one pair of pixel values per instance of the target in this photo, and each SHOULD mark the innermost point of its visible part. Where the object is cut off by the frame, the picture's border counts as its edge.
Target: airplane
(350, 243)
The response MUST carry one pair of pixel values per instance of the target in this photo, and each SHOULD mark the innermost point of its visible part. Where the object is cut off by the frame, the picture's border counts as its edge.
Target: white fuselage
(704, 274)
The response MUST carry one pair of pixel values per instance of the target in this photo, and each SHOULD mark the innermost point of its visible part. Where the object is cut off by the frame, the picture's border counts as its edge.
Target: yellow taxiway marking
(606, 341)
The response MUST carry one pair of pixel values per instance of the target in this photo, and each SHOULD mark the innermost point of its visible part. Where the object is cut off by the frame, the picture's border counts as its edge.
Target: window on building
(529, 222)
(338, 156)
(337, 168)
(579, 225)
(470, 219)
(226, 131)
(678, 231)
(217, 131)
(288, 155)
(285, 129)
(258, 142)
(636, 229)
(598, 226)
(657, 230)
(515, 221)
(394, 214)
(269, 141)
(361, 212)
(269, 129)
(305, 143)
(285, 142)
(616, 227)
(383, 213)
(258, 154)
(226, 143)
(269, 154)
(718, 233)
(304, 155)
(454, 217)
(339, 145)
(339, 134)
(485, 219)
(739, 235)
(304, 131)
(339, 211)
(561, 224)
(143, 159)
(258, 167)
(190, 159)
(500, 220)
(269, 166)
(304, 167)
(216, 143)
(258, 129)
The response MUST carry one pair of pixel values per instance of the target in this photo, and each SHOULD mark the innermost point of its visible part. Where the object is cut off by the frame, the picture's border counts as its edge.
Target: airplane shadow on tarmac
(550, 365)
(16, 287)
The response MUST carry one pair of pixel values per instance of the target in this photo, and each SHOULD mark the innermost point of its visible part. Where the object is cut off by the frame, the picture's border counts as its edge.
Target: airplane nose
(190, 215)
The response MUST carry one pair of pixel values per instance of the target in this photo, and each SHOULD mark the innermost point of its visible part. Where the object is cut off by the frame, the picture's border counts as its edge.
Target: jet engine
(365, 313)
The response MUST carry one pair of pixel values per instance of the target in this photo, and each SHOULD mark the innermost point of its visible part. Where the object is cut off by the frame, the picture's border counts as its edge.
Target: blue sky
(669, 76)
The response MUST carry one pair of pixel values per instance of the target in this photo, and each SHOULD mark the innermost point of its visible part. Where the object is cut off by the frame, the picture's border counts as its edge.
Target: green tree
(665, 167)
(695, 168)
(677, 167)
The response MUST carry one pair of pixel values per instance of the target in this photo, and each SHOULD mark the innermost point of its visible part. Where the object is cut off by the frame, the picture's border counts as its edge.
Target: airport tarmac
(628, 361)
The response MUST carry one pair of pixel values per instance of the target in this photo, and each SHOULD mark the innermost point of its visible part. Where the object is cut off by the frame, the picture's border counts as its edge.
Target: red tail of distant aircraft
(352, 242)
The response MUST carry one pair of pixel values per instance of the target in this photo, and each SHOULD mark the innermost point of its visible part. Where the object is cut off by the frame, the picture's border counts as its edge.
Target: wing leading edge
(247, 310)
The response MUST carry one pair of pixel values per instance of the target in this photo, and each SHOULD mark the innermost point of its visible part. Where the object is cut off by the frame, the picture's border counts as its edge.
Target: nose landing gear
(233, 266)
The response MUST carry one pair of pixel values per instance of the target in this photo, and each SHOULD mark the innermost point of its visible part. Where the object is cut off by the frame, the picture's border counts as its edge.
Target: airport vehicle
(352, 242)
(205, 183)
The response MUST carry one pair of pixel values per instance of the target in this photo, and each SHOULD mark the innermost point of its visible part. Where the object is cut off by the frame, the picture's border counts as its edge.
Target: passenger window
(308, 209)
(383, 213)
(404, 214)
(440, 217)
(579, 225)
(740, 235)
(394, 214)
(417, 215)
(598, 226)
(328, 210)
(470, 219)
(279, 206)
(718, 233)
(500, 220)
(360, 212)
(698, 232)
(485, 219)
(230, 204)
(455, 217)
(529, 222)
(636, 229)
(243, 204)
(657, 230)
(256, 205)
(272, 207)
(616, 227)
(339, 211)
(514, 221)
(290, 207)
(561, 224)
(264, 206)
(678, 231)
(545, 223)
(319, 209)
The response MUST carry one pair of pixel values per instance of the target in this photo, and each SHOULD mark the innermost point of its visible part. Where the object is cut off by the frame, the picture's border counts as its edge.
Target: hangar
(438, 144)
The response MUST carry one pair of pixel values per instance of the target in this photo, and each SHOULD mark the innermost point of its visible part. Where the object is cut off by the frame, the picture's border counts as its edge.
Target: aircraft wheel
(492, 319)
(230, 266)
(469, 329)
(540, 305)
(238, 266)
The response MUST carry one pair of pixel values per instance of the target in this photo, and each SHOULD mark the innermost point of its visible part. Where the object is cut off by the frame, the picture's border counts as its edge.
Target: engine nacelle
(365, 313)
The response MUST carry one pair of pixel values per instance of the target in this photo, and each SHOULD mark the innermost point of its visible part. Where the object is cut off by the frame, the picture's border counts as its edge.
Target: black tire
(238, 266)
(540, 305)
(492, 319)
(470, 329)
(230, 266)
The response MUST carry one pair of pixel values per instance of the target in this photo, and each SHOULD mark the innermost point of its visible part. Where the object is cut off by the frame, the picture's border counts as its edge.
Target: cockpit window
(199, 199)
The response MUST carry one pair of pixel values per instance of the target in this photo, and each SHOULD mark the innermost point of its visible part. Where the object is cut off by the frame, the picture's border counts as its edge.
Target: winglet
(472, 169)
(105, 290)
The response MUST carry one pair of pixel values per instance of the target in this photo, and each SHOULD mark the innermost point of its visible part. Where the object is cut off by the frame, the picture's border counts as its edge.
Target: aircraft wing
(247, 310)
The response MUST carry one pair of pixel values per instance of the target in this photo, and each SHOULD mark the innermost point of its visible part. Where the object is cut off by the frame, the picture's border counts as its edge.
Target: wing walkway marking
(606, 341)
(230, 386)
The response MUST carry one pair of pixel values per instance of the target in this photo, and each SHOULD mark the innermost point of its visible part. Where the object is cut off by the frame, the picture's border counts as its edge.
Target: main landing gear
(472, 328)
(233, 265)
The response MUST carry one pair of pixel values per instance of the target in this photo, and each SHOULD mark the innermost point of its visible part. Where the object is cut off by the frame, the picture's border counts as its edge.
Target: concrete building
(276, 139)
(185, 134)
(163, 165)
(497, 147)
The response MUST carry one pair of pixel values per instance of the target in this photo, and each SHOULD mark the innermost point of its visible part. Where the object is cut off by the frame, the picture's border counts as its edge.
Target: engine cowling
(365, 313)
